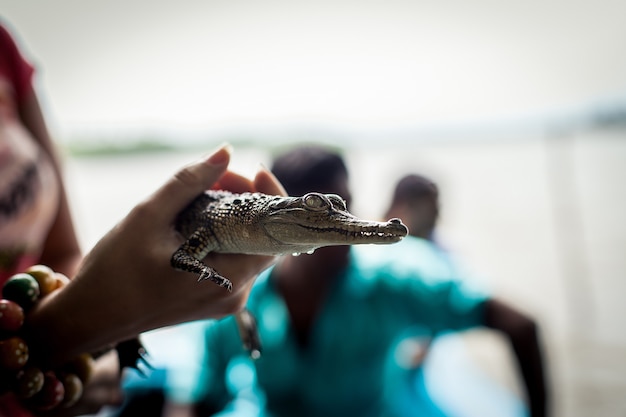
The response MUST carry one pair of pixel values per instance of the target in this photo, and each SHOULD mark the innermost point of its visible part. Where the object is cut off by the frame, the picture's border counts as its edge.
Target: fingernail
(221, 156)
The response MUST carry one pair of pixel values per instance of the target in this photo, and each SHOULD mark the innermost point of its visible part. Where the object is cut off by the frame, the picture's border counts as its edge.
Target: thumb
(191, 181)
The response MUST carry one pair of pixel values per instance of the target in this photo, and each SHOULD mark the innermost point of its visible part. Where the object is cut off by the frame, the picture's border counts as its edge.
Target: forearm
(528, 352)
(523, 335)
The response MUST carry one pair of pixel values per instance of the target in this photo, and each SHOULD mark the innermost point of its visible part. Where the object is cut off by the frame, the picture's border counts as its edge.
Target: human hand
(126, 285)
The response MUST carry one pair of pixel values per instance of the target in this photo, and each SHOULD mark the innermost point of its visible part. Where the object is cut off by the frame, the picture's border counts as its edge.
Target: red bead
(11, 316)
(50, 396)
(13, 353)
(21, 288)
(29, 381)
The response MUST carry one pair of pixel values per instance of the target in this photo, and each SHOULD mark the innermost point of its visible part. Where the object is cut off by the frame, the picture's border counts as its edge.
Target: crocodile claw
(212, 275)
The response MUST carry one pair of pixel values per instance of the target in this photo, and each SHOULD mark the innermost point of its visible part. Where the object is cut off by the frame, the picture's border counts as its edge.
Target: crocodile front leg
(182, 261)
(188, 258)
(246, 324)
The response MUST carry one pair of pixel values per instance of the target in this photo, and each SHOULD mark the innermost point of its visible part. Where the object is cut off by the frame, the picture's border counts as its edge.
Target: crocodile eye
(315, 201)
(337, 201)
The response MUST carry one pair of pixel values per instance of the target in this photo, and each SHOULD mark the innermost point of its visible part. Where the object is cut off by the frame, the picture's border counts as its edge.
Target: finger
(234, 182)
(191, 181)
(266, 182)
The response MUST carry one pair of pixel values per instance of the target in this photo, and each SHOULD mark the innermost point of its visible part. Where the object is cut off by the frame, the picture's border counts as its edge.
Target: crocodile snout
(398, 226)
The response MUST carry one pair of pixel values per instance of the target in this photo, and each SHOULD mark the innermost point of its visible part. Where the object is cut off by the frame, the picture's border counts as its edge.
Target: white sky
(185, 65)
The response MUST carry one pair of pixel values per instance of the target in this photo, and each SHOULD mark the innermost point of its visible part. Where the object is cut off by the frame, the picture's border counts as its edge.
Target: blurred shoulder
(410, 256)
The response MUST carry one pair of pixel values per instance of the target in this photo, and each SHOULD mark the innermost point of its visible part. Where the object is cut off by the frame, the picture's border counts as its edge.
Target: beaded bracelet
(36, 387)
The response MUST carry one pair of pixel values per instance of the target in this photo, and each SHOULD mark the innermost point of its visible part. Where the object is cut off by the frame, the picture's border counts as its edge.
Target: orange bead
(13, 353)
(45, 278)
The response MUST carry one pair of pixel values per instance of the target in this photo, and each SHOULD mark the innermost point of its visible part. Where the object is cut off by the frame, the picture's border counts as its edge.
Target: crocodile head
(256, 223)
(303, 224)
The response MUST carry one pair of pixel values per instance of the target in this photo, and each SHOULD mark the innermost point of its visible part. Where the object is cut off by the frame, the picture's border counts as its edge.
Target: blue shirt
(387, 292)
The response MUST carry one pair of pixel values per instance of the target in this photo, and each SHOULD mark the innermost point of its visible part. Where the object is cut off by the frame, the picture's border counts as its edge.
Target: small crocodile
(261, 224)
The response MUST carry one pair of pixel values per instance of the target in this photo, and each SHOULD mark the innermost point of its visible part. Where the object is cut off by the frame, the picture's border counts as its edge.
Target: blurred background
(516, 109)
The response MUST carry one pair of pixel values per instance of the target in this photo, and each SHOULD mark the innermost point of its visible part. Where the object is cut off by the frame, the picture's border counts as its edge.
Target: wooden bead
(21, 288)
(83, 366)
(29, 381)
(44, 277)
(73, 389)
(61, 280)
(11, 316)
(13, 353)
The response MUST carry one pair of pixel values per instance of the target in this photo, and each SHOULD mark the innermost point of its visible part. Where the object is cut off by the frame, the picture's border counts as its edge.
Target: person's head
(416, 201)
(312, 169)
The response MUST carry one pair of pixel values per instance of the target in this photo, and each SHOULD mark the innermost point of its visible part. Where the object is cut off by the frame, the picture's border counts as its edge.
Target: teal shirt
(386, 293)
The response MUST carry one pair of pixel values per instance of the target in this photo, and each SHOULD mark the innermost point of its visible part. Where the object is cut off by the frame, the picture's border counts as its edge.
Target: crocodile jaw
(297, 237)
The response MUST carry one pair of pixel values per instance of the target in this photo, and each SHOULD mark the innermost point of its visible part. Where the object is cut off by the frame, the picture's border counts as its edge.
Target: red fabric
(22, 263)
(14, 67)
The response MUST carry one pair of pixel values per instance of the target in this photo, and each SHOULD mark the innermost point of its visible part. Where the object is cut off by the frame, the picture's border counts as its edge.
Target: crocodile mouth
(305, 234)
(375, 233)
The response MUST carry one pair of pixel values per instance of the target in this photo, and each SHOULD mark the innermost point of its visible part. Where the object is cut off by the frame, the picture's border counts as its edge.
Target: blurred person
(330, 321)
(36, 227)
(415, 200)
(35, 220)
